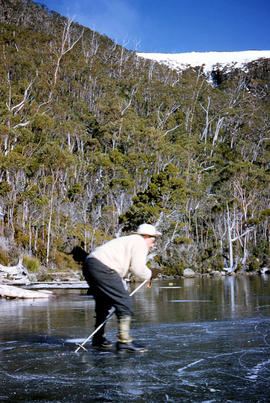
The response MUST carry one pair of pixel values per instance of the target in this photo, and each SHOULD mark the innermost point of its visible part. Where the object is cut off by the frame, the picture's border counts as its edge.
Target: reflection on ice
(190, 300)
(75, 341)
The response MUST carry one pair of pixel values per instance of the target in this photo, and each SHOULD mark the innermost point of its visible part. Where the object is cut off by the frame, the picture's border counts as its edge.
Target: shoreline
(73, 284)
(37, 290)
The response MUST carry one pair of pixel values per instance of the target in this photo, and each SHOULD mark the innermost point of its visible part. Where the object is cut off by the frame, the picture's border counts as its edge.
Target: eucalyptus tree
(54, 163)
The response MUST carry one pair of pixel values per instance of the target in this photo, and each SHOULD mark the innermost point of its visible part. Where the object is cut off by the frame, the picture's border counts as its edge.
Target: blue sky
(168, 26)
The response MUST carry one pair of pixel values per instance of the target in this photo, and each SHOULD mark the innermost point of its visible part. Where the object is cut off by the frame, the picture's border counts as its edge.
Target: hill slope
(95, 140)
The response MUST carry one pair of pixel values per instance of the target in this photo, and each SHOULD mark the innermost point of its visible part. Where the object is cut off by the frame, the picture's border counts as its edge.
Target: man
(104, 270)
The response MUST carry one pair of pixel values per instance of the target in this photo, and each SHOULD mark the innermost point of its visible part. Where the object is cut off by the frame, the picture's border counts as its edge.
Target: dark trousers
(108, 290)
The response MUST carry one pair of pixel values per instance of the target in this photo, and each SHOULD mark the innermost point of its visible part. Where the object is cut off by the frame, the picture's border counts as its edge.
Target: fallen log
(56, 284)
(17, 269)
(8, 291)
(15, 274)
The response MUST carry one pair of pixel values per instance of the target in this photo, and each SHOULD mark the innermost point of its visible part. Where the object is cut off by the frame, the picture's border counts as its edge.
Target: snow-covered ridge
(208, 59)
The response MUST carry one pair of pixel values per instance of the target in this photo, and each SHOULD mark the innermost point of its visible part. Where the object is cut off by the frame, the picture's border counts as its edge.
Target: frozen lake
(208, 341)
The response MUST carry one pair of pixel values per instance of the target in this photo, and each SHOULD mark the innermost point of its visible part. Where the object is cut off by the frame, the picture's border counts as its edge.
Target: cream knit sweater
(124, 254)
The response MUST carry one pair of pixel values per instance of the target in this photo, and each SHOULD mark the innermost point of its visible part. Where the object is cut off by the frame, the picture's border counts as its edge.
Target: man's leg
(108, 285)
(102, 310)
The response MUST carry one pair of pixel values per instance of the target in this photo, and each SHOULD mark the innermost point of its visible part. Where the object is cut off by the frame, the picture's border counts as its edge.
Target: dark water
(208, 341)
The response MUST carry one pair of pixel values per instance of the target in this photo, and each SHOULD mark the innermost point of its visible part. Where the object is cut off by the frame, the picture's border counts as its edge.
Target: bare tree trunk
(66, 45)
(229, 226)
(50, 223)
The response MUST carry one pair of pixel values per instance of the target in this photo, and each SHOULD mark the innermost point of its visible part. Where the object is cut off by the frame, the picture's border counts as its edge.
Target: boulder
(189, 273)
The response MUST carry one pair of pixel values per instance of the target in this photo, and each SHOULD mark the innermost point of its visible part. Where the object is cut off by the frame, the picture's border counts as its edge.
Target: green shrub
(173, 270)
(216, 262)
(252, 263)
(31, 263)
(63, 261)
(45, 277)
(3, 258)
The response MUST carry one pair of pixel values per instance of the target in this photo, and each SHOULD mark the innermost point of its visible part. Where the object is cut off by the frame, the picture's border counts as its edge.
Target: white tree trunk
(230, 239)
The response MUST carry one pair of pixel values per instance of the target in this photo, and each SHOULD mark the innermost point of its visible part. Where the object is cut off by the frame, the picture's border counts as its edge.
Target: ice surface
(214, 352)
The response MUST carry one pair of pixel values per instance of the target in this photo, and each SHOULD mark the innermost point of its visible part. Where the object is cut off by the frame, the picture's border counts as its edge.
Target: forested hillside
(96, 140)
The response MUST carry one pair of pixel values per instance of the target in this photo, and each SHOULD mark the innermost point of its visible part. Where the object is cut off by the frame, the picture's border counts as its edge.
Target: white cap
(147, 229)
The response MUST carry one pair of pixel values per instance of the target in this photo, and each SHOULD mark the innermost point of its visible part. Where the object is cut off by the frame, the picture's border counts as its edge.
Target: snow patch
(206, 59)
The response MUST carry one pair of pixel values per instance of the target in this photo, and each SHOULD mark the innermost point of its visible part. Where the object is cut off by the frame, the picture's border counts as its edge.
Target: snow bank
(208, 59)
